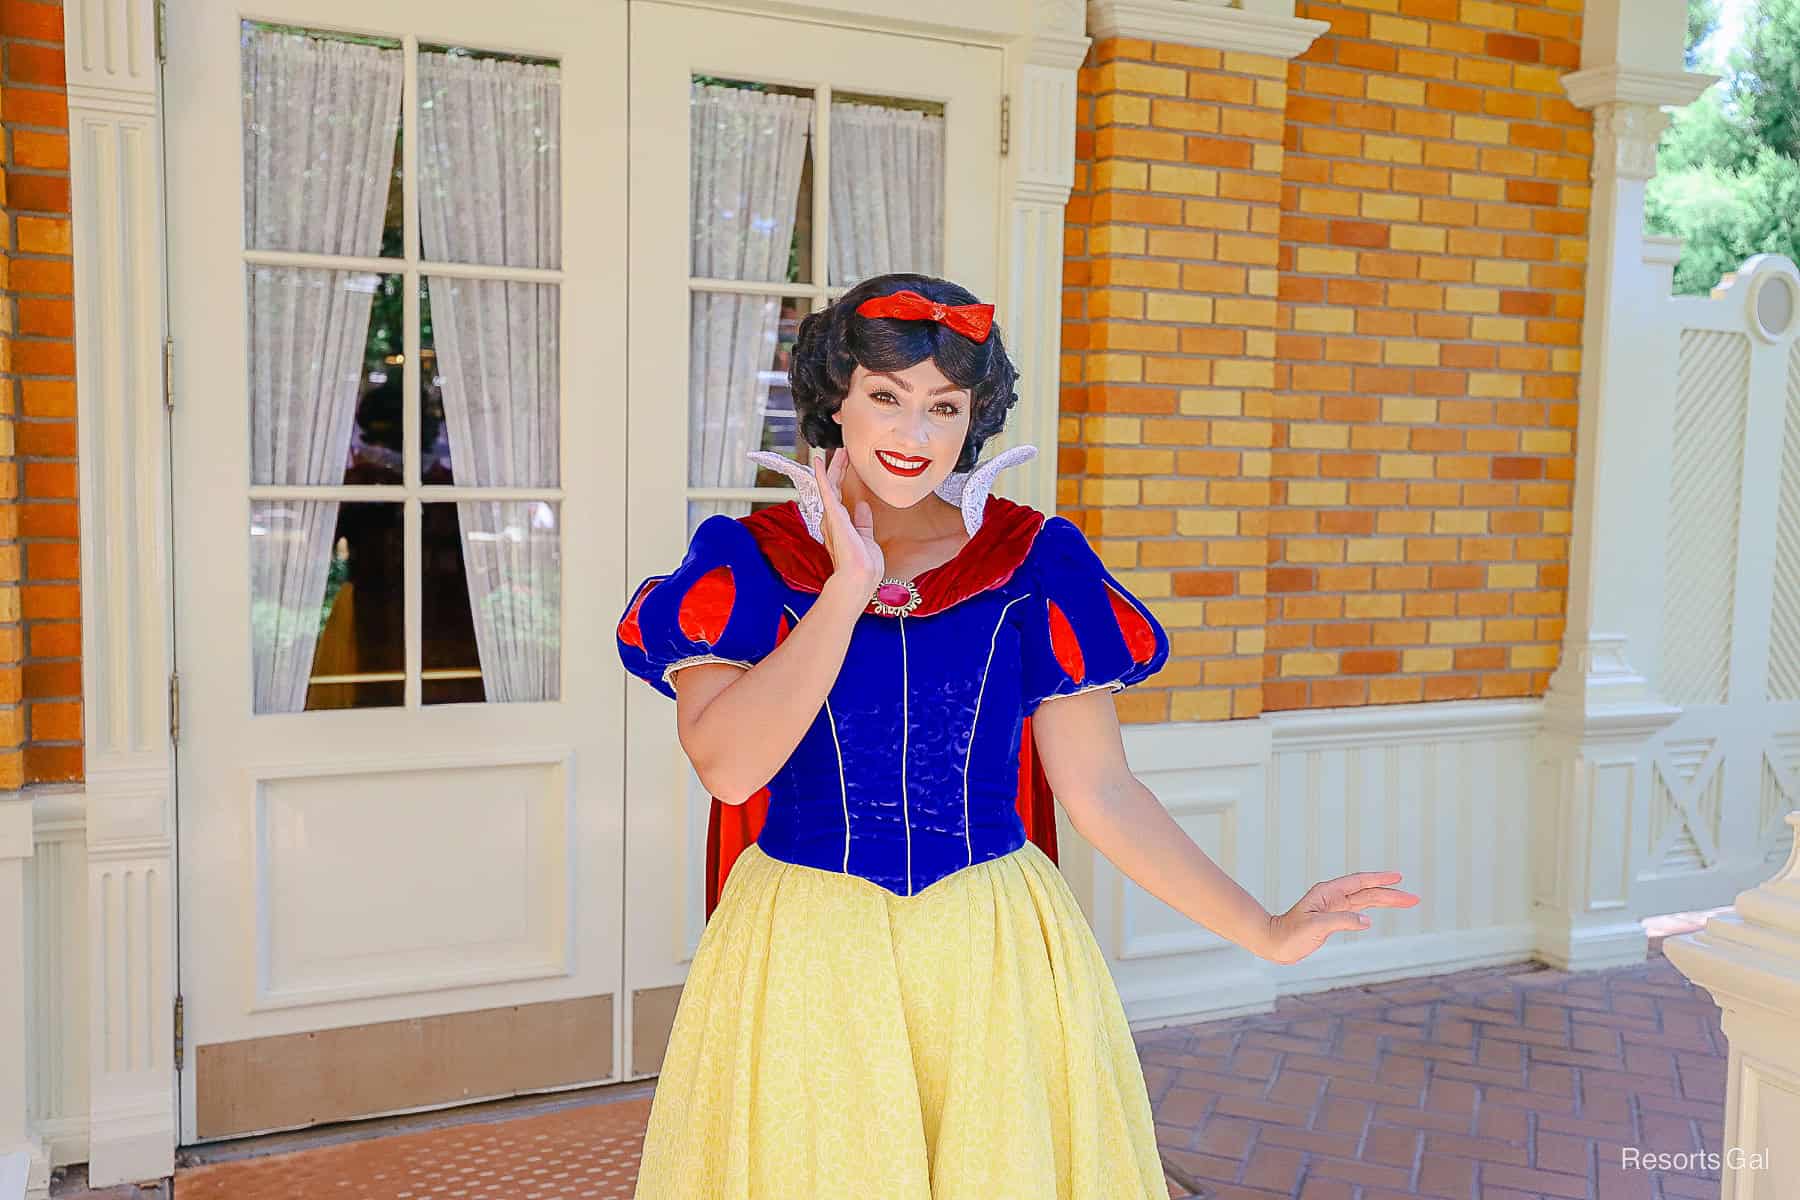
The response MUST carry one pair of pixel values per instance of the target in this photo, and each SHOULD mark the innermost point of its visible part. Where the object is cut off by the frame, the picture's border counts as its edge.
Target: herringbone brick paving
(1493, 1084)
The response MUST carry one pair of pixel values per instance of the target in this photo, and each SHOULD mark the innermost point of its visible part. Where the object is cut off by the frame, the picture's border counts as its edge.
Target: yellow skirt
(963, 1043)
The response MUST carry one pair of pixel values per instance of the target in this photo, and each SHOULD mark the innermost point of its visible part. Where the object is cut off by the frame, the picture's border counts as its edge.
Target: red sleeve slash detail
(1140, 639)
(1064, 644)
(629, 633)
(707, 606)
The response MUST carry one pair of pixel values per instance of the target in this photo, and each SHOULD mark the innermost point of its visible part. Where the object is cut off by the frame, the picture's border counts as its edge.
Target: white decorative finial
(968, 490)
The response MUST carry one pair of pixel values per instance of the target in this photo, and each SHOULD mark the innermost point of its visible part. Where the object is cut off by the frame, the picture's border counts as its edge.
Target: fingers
(827, 477)
(1334, 891)
(1381, 897)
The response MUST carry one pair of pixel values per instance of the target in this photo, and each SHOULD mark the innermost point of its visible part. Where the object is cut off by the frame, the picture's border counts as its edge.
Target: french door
(774, 164)
(396, 235)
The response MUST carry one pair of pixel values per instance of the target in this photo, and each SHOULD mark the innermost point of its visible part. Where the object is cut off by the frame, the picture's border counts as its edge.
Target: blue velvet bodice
(910, 770)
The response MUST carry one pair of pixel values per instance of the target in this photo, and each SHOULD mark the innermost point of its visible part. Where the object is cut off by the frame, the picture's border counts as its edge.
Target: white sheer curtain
(747, 152)
(490, 167)
(887, 192)
(320, 118)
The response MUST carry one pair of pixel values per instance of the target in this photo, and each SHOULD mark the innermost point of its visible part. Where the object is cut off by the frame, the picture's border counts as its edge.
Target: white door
(774, 163)
(398, 508)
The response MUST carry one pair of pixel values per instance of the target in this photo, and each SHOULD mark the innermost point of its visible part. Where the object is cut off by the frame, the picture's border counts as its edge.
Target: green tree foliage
(1703, 22)
(1728, 170)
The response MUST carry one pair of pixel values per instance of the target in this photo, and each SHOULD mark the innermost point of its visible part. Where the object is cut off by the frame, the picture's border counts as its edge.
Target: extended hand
(1333, 906)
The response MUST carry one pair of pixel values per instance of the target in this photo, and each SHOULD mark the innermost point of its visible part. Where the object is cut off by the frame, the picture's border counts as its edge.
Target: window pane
(699, 510)
(738, 398)
(748, 155)
(325, 366)
(489, 400)
(887, 188)
(451, 661)
(493, 602)
(321, 125)
(490, 159)
(326, 605)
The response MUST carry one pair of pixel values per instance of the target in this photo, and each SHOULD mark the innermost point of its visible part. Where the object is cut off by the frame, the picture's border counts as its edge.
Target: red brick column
(1169, 353)
(38, 398)
(1433, 244)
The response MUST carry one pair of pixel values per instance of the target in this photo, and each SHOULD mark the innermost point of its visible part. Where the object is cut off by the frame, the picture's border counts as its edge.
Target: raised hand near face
(851, 542)
(1332, 906)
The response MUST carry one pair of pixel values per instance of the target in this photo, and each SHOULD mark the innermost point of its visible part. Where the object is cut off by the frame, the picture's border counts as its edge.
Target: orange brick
(46, 561)
(52, 764)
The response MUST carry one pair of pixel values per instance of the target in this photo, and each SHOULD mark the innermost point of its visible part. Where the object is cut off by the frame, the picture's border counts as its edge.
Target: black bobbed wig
(833, 341)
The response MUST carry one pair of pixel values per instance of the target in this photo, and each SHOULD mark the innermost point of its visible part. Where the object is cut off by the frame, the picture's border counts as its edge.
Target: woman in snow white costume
(896, 994)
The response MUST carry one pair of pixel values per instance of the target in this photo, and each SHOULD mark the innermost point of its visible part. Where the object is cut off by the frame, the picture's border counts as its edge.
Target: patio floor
(1492, 1084)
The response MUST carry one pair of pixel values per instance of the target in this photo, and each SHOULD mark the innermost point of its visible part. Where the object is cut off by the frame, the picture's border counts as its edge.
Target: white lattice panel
(1784, 615)
(1704, 489)
(1780, 795)
(1684, 808)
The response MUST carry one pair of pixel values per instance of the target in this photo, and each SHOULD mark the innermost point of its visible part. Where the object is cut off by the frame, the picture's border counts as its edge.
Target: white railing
(1722, 540)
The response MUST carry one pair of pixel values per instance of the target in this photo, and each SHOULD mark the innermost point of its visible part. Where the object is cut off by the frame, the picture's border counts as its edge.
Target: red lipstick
(904, 465)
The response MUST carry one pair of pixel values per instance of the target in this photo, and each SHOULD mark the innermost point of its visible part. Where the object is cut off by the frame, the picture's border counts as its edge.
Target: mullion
(413, 625)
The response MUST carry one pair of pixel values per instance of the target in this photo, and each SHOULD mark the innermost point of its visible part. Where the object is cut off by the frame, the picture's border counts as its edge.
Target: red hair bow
(971, 320)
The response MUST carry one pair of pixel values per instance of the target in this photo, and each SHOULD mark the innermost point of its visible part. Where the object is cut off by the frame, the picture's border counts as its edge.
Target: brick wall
(1353, 488)
(38, 397)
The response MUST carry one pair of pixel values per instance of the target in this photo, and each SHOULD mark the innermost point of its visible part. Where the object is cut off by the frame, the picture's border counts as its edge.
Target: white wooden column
(15, 977)
(1039, 173)
(1749, 960)
(115, 165)
(1600, 711)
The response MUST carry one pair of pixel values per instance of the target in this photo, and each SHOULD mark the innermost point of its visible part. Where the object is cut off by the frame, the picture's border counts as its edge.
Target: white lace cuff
(701, 658)
(1114, 684)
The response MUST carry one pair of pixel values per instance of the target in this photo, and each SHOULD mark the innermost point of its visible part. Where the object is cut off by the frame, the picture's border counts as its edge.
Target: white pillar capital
(1267, 27)
(1628, 105)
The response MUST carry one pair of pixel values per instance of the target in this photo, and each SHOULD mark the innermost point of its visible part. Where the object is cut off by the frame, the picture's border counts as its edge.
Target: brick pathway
(1496, 1084)
(1484, 1085)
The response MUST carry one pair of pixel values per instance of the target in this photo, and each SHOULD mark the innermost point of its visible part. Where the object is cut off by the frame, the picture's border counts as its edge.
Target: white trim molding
(115, 176)
(57, 1013)
(16, 977)
(1256, 28)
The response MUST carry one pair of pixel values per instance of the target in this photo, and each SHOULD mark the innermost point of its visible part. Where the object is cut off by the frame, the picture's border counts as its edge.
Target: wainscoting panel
(1440, 792)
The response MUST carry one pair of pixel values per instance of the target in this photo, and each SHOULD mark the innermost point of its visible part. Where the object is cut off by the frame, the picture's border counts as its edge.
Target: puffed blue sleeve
(722, 604)
(1082, 629)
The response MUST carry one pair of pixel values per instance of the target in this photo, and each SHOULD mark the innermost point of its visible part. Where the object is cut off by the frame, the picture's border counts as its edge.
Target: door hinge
(1005, 125)
(175, 707)
(162, 28)
(169, 373)
(180, 1034)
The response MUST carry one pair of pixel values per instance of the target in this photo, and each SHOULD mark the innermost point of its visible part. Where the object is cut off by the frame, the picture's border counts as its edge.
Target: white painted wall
(56, 1004)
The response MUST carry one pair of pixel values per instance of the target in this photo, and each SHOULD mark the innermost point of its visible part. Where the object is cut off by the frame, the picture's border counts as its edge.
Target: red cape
(988, 560)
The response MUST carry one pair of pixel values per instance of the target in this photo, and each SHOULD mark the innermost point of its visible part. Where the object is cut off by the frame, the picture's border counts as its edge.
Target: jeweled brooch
(895, 597)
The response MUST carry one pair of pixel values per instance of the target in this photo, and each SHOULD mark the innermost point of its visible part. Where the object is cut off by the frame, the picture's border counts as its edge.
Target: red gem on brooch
(895, 597)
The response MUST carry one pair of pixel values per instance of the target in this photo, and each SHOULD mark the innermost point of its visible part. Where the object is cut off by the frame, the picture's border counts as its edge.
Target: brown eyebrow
(907, 388)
